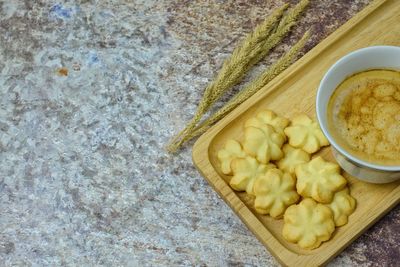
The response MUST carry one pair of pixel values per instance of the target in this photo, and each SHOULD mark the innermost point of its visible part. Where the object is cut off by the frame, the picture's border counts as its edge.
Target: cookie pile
(273, 163)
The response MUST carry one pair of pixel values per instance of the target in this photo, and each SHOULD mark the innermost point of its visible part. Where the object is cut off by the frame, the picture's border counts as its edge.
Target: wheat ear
(252, 88)
(285, 25)
(232, 71)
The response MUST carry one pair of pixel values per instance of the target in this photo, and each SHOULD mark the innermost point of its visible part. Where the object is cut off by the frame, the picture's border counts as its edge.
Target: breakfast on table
(275, 163)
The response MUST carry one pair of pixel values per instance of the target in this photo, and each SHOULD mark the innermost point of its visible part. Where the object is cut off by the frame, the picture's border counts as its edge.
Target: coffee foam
(364, 115)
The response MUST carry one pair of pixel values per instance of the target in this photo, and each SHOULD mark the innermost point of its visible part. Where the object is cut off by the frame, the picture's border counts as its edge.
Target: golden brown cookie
(233, 149)
(292, 157)
(342, 205)
(245, 171)
(270, 118)
(263, 143)
(305, 134)
(308, 224)
(274, 191)
(319, 179)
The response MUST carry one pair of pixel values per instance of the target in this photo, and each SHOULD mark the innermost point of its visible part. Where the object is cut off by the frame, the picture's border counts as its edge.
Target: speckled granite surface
(90, 91)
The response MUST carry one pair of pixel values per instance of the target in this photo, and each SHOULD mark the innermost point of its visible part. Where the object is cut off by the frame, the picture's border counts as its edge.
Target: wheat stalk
(252, 88)
(232, 71)
(255, 46)
(285, 25)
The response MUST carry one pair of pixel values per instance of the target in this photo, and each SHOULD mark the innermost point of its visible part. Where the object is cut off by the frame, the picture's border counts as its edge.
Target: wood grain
(291, 93)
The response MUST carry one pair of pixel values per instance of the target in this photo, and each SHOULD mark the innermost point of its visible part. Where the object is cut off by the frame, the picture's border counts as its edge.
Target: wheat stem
(252, 88)
(255, 46)
(232, 71)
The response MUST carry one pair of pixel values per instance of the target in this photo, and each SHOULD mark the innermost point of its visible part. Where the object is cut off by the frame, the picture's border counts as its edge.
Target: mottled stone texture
(90, 92)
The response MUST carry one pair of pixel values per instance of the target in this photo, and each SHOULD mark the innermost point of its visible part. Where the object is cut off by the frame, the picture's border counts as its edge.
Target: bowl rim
(331, 140)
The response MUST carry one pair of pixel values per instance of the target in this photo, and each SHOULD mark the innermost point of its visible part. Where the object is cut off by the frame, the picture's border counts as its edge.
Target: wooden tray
(294, 92)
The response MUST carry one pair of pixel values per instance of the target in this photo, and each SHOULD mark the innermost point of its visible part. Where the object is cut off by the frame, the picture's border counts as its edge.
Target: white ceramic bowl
(374, 57)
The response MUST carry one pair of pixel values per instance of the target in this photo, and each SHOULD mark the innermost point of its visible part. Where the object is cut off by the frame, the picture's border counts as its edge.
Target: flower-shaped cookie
(268, 117)
(232, 150)
(274, 192)
(245, 171)
(342, 206)
(292, 158)
(305, 134)
(319, 179)
(263, 143)
(308, 224)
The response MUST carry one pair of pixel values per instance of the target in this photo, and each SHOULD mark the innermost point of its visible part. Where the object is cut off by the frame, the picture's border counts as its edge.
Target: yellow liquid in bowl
(364, 116)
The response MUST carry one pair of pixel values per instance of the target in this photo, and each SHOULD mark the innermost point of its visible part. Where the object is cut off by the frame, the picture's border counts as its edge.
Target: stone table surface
(90, 92)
